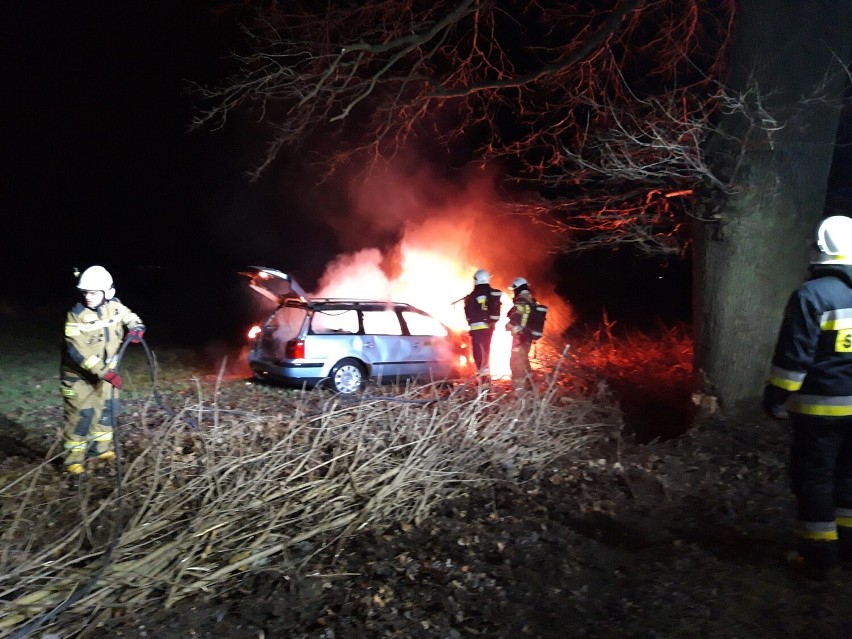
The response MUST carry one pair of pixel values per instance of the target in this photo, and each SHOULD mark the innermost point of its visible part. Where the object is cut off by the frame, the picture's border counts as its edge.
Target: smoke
(413, 236)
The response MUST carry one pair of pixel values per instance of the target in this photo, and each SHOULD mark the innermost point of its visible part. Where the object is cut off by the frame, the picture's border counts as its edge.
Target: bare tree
(599, 108)
(645, 123)
(774, 143)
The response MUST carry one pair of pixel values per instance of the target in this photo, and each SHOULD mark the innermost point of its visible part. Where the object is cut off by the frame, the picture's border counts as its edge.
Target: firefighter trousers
(821, 480)
(519, 364)
(480, 343)
(90, 408)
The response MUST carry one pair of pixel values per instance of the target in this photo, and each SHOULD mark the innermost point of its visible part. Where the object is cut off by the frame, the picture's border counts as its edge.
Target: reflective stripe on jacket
(519, 315)
(482, 307)
(93, 337)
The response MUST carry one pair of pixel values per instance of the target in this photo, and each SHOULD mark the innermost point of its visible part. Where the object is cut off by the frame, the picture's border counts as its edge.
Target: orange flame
(431, 272)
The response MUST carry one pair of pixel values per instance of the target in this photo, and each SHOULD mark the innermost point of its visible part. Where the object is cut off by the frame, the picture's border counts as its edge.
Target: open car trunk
(275, 285)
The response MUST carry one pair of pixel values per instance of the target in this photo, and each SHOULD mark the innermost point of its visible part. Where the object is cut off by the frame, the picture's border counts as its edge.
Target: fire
(421, 268)
(447, 231)
(430, 275)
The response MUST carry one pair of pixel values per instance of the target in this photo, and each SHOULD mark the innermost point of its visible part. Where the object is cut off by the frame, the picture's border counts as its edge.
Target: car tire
(347, 376)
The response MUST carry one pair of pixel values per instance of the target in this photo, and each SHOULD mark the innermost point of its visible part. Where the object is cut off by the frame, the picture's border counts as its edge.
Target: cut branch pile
(198, 509)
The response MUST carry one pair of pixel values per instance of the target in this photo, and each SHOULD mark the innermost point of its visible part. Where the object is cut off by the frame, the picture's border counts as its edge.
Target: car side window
(335, 322)
(419, 324)
(381, 323)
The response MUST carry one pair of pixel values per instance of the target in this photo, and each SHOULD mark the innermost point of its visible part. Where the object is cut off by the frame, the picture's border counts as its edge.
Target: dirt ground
(668, 539)
(682, 538)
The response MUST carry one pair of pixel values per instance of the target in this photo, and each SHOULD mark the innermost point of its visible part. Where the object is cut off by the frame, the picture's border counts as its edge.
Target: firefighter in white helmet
(519, 315)
(811, 383)
(94, 331)
(482, 311)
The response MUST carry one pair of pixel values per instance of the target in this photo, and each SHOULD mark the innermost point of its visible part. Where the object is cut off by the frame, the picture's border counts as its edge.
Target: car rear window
(286, 322)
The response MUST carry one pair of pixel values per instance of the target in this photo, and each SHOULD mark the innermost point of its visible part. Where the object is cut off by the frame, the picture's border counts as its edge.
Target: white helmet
(481, 277)
(833, 241)
(518, 282)
(97, 278)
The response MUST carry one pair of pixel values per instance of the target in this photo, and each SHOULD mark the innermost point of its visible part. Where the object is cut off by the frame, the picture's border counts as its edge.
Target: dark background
(97, 166)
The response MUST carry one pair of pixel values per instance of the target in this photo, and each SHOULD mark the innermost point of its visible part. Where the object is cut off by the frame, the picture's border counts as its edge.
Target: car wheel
(347, 377)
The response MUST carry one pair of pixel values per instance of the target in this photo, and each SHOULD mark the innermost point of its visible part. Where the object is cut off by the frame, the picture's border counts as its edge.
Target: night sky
(96, 129)
(98, 166)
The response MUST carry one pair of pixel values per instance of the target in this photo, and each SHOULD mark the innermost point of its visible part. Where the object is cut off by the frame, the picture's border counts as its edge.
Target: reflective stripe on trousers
(817, 530)
(821, 405)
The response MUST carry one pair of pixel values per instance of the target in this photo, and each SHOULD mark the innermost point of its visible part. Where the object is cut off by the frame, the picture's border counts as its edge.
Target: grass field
(651, 376)
(30, 351)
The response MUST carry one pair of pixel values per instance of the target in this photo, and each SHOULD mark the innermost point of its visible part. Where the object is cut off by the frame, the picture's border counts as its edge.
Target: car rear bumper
(290, 373)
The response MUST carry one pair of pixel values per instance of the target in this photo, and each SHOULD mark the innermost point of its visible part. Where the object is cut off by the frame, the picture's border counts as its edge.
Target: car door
(430, 354)
(384, 345)
(334, 335)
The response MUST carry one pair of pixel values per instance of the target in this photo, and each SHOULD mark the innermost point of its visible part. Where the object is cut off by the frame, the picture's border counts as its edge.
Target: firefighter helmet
(833, 241)
(481, 277)
(97, 278)
(519, 283)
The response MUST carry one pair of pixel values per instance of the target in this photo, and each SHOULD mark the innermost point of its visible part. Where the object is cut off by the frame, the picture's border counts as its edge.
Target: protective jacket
(519, 316)
(482, 307)
(812, 363)
(93, 337)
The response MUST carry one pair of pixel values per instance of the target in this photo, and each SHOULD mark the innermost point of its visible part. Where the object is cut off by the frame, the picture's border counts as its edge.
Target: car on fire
(342, 343)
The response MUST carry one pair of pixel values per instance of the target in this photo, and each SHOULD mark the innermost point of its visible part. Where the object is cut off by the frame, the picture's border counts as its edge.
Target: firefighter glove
(136, 334)
(113, 378)
(773, 402)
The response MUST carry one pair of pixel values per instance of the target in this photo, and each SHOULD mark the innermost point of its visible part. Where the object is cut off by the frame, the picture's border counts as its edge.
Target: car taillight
(295, 349)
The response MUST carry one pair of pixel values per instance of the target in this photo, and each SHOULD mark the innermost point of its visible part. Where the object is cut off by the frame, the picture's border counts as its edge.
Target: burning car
(341, 343)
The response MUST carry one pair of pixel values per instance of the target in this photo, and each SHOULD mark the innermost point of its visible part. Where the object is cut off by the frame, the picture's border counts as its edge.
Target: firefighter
(94, 331)
(519, 316)
(482, 311)
(811, 377)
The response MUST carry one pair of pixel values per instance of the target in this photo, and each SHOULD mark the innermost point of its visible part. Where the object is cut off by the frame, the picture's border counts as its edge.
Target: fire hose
(85, 589)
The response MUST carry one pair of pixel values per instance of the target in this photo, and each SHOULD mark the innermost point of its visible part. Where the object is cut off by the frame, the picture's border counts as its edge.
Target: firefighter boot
(483, 381)
(75, 455)
(844, 536)
(816, 560)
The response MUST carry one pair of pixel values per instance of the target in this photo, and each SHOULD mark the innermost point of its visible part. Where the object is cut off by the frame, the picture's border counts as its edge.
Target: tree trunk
(754, 252)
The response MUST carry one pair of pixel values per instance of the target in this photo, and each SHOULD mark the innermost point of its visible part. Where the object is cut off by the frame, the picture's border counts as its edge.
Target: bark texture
(787, 59)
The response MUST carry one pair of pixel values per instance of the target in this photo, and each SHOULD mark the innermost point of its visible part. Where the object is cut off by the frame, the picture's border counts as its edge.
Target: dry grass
(196, 509)
(649, 375)
(664, 359)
